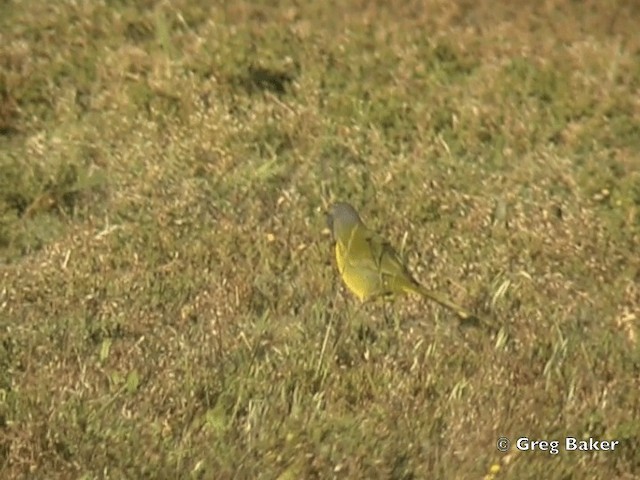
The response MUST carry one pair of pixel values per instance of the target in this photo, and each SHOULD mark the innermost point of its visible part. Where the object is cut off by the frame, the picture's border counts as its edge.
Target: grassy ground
(169, 306)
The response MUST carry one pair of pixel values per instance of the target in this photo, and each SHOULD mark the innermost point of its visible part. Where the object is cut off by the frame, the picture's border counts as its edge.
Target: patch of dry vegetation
(168, 300)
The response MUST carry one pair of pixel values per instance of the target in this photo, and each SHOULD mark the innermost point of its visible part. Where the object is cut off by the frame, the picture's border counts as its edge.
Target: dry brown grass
(167, 287)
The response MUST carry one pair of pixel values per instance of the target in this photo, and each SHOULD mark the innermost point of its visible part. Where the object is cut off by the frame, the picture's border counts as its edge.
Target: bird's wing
(389, 265)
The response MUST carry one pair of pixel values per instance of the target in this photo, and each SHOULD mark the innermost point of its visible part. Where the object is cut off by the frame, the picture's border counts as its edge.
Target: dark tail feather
(441, 299)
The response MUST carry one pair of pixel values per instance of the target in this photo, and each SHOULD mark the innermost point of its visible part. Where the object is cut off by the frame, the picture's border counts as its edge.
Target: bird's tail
(442, 299)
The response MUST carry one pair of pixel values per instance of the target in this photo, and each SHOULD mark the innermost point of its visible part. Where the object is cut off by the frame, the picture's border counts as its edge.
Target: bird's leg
(385, 313)
(389, 318)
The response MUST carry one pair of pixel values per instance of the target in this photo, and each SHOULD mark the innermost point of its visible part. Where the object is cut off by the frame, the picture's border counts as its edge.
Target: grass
(169, 306)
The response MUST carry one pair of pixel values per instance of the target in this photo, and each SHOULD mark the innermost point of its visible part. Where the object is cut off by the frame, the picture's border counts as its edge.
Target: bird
(370, 267)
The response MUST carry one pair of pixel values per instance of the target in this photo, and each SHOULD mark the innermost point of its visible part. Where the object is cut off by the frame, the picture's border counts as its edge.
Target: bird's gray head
(342, 217)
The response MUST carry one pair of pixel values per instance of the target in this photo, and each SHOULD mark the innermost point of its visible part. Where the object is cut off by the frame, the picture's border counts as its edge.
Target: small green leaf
(133, 381)
(105, 347)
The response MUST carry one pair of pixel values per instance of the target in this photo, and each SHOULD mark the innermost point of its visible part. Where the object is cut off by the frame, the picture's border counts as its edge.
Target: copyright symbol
(503, 444)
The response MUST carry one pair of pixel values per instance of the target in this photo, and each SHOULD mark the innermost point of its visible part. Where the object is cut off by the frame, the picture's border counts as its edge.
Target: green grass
(169, 305)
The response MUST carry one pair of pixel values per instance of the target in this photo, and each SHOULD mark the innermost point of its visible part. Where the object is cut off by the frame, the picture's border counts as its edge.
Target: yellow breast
(358, 270)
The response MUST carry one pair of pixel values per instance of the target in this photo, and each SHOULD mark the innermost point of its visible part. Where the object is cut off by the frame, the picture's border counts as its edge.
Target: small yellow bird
(369, 266)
